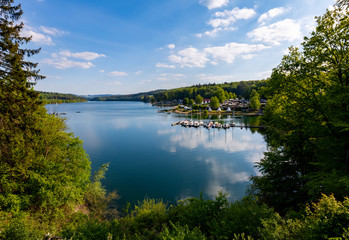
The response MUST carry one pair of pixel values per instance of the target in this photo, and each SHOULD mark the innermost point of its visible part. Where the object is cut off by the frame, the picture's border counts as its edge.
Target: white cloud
(214, 32)
(192, 57)
(42, 35)
(163, 65)
(271, 14)
(230, 51)
(171, 46)
(52, 31)
(138, 73)
(227, 18)
(189, 57)
(223, 21)
(211, 4)
(37, 37)
(81, 55)
(62, 59)
(64, 63)
(117, 74)
(286, 30)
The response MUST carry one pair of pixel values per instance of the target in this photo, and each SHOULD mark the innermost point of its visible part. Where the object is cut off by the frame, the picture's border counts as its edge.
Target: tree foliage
(199, 99)
(307, 115)
(43, 168)
(255, 100)
(214, 103)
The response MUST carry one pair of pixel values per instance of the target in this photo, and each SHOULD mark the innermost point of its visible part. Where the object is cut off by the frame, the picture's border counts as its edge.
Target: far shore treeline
(241, 89)
(53, 97)
(47, 190)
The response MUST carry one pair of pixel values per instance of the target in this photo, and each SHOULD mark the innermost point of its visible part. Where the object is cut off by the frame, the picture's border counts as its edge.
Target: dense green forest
(46, 191)
(52, 97)
(242, 89)
(144, 96)
(223, 91)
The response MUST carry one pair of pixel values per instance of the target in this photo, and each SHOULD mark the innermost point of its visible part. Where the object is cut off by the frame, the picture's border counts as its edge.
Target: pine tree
(43, 168)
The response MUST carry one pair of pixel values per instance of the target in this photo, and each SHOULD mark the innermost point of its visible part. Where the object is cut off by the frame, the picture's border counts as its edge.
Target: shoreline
(256, 113)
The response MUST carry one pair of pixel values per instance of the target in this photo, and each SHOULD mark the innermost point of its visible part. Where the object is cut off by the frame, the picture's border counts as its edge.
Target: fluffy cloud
(63, 63)
(171, 46)
(189, 57)
(223, 21)
(117, 74)
(230, 51)
(52, 31)
(286, 30)
(37, 37)
(211, 4)
(192, 57)
(271, 14)
(81, 55)
(62, 59)
(42, 35)
(163, 65)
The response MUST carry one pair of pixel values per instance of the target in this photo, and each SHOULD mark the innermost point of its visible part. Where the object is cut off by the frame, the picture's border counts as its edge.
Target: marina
(209, 125)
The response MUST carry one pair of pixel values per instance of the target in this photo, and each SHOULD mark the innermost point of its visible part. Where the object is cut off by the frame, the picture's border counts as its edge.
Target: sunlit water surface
(150, 158)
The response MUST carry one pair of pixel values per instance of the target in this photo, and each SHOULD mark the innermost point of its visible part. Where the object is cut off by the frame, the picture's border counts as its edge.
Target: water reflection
(228, 172)
(230, 140)
(149, 157)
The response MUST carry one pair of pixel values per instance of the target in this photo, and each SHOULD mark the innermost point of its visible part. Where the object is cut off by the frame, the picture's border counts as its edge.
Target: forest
(223, 91)
(242, 89)
(47, 190)
(51, 97)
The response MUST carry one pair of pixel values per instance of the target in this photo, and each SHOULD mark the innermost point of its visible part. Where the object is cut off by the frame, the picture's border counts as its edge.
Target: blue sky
(130, 46)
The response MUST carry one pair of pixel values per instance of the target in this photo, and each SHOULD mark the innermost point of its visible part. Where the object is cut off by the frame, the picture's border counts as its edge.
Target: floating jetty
(196, 124)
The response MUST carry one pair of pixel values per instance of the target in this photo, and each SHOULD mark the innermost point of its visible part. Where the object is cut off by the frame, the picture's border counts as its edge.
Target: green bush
(327, 219)
(146, 221)
(21, 228)
(88, 229)
(178, 232)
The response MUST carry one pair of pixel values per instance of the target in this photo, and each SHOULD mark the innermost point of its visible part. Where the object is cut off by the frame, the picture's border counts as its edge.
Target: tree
(185, 101)
(232, 95)
(43, 168)
(191, 102)
(255, 100)
(307, 117)
(220, 94)
(199, 99)
(214, 102)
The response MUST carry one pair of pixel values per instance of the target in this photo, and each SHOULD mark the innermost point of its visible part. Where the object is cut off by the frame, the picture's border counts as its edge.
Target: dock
(196, 124)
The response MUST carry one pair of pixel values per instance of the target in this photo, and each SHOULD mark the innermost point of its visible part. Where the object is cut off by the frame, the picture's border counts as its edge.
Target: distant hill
(143, 96)
(90, 96)
(241, 89)
(53, 97)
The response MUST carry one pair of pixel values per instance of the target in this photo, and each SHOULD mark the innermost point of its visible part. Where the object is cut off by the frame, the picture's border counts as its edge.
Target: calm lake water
(150, 158)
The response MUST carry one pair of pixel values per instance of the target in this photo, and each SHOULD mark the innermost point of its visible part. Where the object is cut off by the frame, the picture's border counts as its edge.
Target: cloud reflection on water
(215, 139)
(224, 174)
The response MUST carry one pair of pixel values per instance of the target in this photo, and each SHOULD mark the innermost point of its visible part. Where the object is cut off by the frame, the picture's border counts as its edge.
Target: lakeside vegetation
(46, 190)
(53, 97)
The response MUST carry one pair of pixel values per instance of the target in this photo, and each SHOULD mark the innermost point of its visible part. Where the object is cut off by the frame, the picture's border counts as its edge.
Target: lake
(149, 158)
